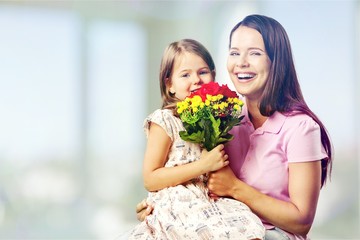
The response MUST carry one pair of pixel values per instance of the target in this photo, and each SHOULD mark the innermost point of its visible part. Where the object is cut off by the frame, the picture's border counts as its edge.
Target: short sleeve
(163, 118)
(305, 143)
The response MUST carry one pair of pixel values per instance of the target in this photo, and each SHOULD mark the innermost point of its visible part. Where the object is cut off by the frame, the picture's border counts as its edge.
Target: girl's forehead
(189, 60)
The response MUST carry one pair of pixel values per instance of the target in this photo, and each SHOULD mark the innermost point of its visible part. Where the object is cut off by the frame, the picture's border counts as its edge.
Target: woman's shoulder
(298, 119)
(297, 116)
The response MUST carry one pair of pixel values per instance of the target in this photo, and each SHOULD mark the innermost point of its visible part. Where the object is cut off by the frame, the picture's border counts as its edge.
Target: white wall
(78, 78)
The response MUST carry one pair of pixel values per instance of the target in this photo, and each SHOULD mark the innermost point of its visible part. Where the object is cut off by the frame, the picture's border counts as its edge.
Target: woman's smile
(245, 77)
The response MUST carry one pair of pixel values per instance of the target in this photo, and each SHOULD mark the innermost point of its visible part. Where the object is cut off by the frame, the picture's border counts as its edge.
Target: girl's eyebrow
(184, 70)
(206, 68)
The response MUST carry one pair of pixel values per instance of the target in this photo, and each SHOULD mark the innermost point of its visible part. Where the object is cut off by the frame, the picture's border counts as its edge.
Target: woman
(281, 155)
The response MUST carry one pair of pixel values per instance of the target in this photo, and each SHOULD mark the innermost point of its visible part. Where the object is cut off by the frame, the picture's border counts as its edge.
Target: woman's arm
(157, 177)
(295, 216)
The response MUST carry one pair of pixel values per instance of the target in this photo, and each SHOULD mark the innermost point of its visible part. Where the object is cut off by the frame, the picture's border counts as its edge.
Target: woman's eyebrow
(256, 48)
(250, 48)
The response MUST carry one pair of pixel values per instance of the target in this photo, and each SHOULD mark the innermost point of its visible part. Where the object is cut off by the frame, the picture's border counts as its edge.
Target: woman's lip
(245, 77)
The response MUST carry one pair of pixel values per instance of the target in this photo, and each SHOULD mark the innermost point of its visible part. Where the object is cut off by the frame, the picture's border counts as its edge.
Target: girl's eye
(185, 75)
(204, 72)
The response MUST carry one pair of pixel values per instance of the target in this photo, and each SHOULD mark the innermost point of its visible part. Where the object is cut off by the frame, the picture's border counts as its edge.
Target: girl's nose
(197, 79)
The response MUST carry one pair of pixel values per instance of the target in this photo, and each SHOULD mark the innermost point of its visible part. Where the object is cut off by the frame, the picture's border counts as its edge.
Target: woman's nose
(242, 62)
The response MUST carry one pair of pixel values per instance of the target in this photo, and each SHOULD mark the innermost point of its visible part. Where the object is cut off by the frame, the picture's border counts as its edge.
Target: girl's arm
(157, 177)
(295, 216)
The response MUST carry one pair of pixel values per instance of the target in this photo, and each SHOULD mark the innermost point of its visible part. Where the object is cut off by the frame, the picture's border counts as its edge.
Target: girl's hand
(143, 210)
(221, 182)
(215, 159)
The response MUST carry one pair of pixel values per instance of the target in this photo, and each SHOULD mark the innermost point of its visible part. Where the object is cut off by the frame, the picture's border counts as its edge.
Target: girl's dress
(185, 211)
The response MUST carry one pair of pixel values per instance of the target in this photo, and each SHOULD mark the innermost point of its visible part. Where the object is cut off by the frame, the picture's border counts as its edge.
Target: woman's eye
(234, 54)
(255, 53)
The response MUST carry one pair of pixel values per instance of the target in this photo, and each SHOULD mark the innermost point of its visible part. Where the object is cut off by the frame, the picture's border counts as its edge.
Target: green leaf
(203, 128)
(212, 131)
(225, 138)
(196, 137)
(231, 123)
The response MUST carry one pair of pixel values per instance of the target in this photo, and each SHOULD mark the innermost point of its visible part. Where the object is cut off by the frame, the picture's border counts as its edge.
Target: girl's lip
(194, 90)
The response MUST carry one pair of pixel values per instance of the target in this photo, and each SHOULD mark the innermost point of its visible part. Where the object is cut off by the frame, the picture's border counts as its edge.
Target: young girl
(174, 170)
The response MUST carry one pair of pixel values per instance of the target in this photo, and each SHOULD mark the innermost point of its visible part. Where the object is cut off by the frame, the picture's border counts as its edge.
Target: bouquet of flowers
(209, 114)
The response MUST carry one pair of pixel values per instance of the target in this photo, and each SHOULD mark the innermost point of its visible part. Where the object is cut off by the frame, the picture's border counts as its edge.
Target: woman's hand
(143, 210)
(221, 182)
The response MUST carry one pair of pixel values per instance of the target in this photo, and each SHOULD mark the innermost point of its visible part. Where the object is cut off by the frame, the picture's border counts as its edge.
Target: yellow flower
(217, 112)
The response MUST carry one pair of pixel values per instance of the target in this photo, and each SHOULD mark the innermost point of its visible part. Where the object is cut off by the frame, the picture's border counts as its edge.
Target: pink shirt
(260, 157)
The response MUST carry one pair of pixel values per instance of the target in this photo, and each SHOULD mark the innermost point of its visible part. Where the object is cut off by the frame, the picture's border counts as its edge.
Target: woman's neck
(254, 114)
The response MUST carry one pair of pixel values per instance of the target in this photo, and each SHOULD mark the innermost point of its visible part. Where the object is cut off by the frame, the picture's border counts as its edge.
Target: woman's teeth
(245, 76)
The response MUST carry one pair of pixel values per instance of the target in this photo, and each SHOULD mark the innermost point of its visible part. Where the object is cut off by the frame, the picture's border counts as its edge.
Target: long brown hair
(171, 53)
(282, 91)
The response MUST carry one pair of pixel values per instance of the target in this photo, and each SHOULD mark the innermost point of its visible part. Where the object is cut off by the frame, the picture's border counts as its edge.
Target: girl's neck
(254, 114)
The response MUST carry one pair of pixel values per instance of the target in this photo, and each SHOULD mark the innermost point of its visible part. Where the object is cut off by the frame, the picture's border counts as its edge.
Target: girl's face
(189, 72)
(248, 63)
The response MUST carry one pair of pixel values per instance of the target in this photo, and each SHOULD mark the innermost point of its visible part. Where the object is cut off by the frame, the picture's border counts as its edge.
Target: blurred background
(77, 79)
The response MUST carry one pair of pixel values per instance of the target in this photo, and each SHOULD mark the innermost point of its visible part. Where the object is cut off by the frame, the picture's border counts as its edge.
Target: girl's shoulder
(165, 119)
(160, 113)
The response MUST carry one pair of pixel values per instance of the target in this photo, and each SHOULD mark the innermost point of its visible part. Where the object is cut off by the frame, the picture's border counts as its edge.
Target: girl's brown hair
(171, 53)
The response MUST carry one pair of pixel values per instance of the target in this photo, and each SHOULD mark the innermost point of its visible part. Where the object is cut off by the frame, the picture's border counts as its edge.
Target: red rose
(227, 92)
(211, 88)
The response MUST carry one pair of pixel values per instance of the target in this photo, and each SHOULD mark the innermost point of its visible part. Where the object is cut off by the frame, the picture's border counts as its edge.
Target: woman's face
(248, 63)
(190, 71)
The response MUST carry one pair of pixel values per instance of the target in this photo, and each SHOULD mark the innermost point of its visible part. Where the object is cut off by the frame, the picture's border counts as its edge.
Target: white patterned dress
(185, 211)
